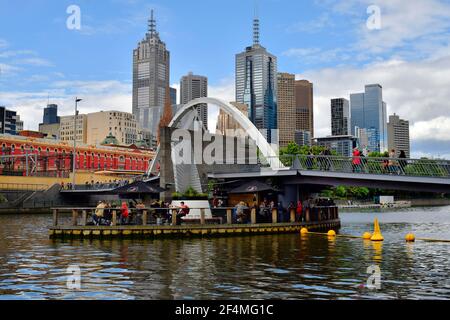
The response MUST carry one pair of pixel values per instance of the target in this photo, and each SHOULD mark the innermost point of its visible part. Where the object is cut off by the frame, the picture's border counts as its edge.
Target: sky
(328, 42)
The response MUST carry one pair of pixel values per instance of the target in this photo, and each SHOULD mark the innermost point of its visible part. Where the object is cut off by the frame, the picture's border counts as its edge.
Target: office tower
(367, 139)
(256, 72)
(227, 125)
(121, 125)
(151, 70)
(304, 104)
(194, 87)
(286, 108)
(173, 96)
(50, 114)
(342, 145)
(368, 111)
(19, 124)
(340, 117)
(8, 121)
(66, 128)
(398, 135)
(302, 138)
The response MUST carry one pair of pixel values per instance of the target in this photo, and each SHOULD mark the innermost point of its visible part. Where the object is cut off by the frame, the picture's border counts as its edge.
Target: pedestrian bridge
(384, 173)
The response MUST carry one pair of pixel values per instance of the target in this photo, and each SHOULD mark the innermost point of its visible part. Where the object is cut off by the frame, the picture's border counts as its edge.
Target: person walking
(356, 161)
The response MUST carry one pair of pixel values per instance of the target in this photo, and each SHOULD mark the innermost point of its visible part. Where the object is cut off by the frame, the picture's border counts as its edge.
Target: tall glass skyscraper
(256, 83)
(151, 69)
(368, 111)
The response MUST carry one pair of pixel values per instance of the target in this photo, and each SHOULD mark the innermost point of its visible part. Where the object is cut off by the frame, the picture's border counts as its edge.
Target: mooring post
(202, 216)
(84, 218)
(174, 217)
(229, 216)
(253, 216)
(144, 218)
(55, 217)
(274, 215)
(292, 215)
(307, 215)
(74, 217)
(114, 218)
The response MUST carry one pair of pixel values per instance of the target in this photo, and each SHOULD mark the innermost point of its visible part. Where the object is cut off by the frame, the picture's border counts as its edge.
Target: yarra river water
(259, 267)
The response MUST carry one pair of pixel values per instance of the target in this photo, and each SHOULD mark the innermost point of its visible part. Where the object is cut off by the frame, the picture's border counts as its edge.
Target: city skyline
(30, 72)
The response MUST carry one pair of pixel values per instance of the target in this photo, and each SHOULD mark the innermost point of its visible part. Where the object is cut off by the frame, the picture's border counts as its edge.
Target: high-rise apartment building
(151, 70)
(304, 104)
(340, 117)
(8, 120)
(256, 83)
(368, 111)
(194, 87)
(173, 96)
(287, 123)
(398, 135)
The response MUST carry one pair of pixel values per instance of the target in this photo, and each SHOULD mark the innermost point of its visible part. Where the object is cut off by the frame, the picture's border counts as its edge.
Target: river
(258, 267)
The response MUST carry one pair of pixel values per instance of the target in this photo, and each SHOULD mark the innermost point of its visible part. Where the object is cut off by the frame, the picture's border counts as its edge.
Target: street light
(75, 142)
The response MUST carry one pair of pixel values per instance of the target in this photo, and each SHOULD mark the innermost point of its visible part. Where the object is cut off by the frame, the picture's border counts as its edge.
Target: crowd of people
(391, 165)
(92, 185)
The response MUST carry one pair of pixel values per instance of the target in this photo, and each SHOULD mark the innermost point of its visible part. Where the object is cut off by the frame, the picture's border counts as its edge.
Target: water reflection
(258, 267)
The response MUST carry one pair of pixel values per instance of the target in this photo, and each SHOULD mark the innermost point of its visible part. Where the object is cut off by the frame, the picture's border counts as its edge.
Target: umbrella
(138, 187)
(252, 187)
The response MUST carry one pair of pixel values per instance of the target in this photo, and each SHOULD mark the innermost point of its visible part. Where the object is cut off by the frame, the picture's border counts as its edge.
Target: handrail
(369, 165)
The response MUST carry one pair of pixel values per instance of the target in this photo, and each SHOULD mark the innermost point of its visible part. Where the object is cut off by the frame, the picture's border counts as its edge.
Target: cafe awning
(252, 187)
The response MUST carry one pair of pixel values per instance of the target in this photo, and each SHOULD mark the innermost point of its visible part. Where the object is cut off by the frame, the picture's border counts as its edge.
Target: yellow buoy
(303, 231)
(367, 236)
(410, 237)
(377, 236)
(331, 233)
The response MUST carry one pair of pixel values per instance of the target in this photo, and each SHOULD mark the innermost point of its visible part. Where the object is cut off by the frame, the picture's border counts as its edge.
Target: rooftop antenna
(256, 26)
(152, 25)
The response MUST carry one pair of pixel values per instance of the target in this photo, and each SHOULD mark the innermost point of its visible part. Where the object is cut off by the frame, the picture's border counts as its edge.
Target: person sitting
(182, 212)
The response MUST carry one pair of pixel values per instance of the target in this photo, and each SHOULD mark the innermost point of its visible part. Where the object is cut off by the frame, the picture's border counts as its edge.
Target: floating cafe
(247, 188)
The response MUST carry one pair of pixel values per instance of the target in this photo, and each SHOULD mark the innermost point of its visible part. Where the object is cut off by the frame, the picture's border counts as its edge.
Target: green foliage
(377, 154)
(340, 192)
(294, 149)
(343, 192)
(190, 193)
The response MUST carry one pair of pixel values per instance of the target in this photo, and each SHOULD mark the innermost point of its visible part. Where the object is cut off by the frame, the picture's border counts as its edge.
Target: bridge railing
(368, 165)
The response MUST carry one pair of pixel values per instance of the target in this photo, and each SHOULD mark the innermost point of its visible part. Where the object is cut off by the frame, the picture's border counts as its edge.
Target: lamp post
(74, 158)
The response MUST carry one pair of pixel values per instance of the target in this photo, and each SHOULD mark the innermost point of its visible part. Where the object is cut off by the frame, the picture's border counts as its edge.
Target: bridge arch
(261, 142)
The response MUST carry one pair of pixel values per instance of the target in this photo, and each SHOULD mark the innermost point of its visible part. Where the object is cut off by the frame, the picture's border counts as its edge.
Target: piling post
(202, 216)
(84, 218)
(74, 217)
(174, 217)
(253, 216)
(144, 218)
(307, 217)
(55, 217)
(114, 218)
(292, 212)
(274, 215)
(229, 216)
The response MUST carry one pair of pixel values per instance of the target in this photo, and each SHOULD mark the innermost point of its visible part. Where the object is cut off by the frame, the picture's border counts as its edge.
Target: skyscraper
(304, 104)
(194, 87)
(173, 96)
(50, 114)
(286, 108)
(256, 72)
(151, 70)
(398, 135)
(8, 123)
(340, 117)
(368, 111)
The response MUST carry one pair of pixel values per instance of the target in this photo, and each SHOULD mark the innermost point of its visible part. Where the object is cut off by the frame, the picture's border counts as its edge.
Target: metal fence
(366, 165)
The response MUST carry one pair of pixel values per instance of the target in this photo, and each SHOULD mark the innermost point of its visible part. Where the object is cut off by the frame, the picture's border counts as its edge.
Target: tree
(167, 115)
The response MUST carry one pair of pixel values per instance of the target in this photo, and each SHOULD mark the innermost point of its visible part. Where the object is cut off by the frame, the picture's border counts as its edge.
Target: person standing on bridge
(356, 161)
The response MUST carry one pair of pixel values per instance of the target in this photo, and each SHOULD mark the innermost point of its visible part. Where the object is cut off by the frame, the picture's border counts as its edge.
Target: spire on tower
(256, 26)
(152, 25)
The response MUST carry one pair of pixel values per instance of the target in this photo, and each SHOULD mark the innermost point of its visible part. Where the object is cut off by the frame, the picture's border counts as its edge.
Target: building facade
(342, 145)
(50, 114)
(173, 96)
(67, 128)
(304, 104)
(122, 125)
(368, 111)
(256, 84)
(194, 87)
(227, 125)
(8, 120)
(398, 135)
(340, 117)
(50, 131)
(151, 71)
(302, 138)
(287, 123)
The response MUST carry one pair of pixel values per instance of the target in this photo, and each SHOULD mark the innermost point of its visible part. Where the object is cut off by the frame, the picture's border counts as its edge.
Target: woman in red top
(299, 211)
(356, 160)
(125, 213)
